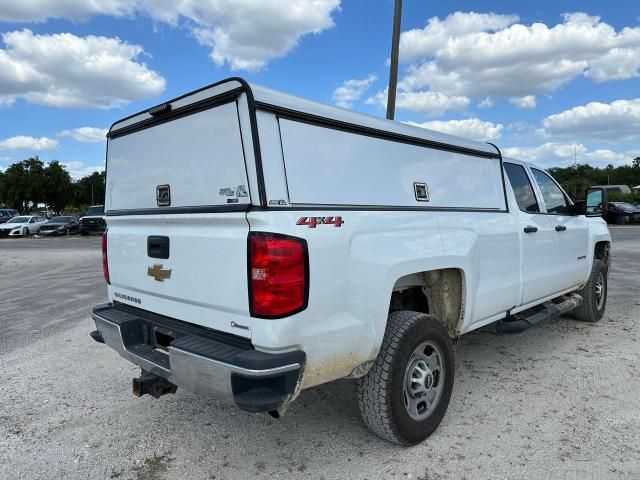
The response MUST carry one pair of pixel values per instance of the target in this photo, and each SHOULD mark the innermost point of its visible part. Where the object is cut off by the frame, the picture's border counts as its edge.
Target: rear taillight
(278, 275)
(105, 263)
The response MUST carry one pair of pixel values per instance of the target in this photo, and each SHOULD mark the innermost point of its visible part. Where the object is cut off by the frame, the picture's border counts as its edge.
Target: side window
(32, 220)
(554, 199)
(522, 188)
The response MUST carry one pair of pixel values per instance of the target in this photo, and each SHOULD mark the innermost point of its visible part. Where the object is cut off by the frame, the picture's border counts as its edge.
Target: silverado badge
(158, 273)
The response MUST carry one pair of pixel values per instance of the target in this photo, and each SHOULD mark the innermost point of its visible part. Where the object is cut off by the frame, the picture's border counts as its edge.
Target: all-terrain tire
(593, 304)
(381, 396)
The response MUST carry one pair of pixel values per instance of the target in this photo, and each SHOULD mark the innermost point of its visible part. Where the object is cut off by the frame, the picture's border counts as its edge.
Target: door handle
(530, 229)
(560, 228)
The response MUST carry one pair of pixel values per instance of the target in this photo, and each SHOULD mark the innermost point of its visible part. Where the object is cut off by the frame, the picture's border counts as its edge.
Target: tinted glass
(95, 211)
(18, 220)
(522, 187)
(554, 199)
(61, 219)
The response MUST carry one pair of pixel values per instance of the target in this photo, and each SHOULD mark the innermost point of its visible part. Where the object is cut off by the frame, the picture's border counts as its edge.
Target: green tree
(90, 189)
(57, 188)
(23, 184)
(3, 200)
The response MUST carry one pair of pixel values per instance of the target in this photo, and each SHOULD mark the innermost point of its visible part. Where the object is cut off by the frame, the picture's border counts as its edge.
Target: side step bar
(527, 319)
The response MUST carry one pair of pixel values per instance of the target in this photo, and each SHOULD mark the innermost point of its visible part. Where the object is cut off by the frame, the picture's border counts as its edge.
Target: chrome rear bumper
(200, 360)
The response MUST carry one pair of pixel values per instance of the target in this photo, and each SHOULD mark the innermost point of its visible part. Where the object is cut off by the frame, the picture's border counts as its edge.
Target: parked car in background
(7, 214)
(621, 213)
(94, 221)
(22, 226)
(634, 210)
(60, 226)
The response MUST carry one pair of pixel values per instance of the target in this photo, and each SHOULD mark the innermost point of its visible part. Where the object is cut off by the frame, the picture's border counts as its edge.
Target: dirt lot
(559, 401)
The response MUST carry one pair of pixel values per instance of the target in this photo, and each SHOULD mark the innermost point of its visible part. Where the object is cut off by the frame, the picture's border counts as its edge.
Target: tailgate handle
(158, 247)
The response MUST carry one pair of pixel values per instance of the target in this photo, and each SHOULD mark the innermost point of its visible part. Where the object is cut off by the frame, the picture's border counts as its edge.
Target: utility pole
(393, 68)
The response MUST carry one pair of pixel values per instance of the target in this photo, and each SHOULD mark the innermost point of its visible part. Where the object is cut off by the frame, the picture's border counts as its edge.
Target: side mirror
(596, 202)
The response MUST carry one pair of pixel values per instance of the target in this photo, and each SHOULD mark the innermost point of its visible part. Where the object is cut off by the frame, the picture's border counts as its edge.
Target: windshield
(95, 211)
(19, 220)
(60, 220)
(4, 213)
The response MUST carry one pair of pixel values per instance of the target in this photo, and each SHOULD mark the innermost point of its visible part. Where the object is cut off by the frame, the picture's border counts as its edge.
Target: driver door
(571, 233)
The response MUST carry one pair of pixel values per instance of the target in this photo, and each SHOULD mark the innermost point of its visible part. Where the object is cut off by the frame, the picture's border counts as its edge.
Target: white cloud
(78, 170)
(619, 120)
(23, 142)
(64, 70)
(472, 128)
(352, 90)
(417, 43)
(246, 34)
(41, 10)
(486, 102)
(528, 101)
(617, 64)
(490, 55)
(555, 154)
(86, 134)
(427, 103)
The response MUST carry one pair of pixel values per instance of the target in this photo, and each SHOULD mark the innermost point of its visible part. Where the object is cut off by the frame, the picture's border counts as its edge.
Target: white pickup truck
(259, 244)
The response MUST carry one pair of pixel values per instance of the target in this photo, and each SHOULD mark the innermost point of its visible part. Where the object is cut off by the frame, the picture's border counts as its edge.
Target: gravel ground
(561, 400)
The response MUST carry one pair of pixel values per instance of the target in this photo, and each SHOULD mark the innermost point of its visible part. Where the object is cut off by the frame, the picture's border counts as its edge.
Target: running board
(527, 319)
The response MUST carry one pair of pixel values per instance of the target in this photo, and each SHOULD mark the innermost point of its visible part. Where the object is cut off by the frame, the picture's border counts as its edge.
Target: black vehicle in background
(94, 221)
(621, 213)
(60, 226)
(7, 214)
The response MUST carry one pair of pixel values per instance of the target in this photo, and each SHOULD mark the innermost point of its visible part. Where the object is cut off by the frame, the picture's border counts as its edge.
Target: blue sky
(544, 80)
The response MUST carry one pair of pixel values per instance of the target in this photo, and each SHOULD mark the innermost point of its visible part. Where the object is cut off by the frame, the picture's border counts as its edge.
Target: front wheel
(594, 294)
(25, 232)
(405, 395)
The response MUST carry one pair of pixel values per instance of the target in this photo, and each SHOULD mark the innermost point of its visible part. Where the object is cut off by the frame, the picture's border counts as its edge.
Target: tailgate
(204, 280)
(176, 197)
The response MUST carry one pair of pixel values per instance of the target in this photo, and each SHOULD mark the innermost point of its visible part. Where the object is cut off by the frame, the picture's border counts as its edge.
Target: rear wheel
(594, 294)
(405, 395)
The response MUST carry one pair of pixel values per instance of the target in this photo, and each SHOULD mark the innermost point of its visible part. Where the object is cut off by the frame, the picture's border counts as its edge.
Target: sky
(548, 81)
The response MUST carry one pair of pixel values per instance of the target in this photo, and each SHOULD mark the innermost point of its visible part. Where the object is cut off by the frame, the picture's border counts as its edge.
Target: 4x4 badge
(158, 273)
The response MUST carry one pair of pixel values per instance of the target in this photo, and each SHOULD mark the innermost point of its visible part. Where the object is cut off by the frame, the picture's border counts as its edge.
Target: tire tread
(586, 311)
(373, 388)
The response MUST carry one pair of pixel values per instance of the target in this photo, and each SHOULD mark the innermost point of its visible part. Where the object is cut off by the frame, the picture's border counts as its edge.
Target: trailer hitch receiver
(149, 384)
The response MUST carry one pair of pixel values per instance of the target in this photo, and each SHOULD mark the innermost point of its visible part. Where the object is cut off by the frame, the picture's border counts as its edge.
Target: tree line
(575, 180)
(26, 185)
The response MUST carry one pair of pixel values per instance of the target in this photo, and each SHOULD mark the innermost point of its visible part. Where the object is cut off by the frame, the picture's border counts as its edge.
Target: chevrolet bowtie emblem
(158, 273)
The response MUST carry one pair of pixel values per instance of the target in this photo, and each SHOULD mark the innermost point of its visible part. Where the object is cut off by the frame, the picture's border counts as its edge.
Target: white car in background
(22, 226)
